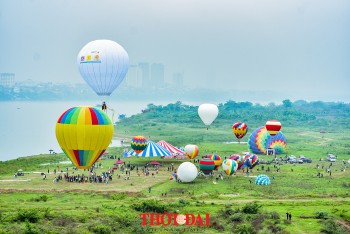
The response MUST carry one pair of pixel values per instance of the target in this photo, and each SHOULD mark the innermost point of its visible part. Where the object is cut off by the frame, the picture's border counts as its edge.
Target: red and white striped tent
(173, 150)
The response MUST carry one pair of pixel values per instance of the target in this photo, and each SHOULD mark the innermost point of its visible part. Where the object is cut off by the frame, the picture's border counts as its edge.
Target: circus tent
(152, 150)
(173, 150)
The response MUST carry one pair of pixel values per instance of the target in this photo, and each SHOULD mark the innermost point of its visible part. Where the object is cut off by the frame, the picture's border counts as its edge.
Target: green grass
(92, 208)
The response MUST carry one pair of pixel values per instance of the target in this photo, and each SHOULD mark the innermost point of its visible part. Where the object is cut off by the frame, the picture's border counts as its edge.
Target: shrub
(101, 229)
(183, 202)
(331, 227)
(251, 208)
(238, 217)
(150, 206)
(30, 229)
(321, 215)
(244, 229)
(30, 215)
(275, 215)
(119, 196)
(43, 198)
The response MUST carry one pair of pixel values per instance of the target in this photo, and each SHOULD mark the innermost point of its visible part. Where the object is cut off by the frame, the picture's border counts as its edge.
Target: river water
(28, 128)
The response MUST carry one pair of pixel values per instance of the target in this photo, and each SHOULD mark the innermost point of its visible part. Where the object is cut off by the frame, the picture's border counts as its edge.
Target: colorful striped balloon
(206, 165)
(138, 143)
(84, 133)
(260, 140)
(217, 160)
(273, 127)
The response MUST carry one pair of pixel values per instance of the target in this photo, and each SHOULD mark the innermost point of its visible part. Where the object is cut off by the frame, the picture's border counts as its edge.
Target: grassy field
(29, 204)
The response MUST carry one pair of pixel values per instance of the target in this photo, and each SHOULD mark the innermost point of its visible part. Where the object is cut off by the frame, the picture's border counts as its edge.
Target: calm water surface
(28, 128)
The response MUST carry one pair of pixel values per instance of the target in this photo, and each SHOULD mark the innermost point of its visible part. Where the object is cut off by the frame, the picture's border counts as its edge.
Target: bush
(274, 215)
(30, 215)
(321, 215)
(150, 206)
(119, 196)
(101, 229)
(244, 229)
(251, 208)
(238, 217)
(331, 227)
(43, 198)
(183, 202)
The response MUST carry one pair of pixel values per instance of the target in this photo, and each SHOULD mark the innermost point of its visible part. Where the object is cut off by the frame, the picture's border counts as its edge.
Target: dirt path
(345, 224)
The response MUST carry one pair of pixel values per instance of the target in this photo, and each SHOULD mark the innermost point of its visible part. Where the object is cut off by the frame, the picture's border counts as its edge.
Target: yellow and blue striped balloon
(84, 133)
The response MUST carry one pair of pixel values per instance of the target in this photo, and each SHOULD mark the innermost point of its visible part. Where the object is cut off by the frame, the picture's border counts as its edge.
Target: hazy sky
(299, 47)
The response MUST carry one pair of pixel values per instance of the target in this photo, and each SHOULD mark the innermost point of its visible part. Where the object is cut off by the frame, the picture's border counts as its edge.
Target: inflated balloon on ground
(187, 172)
(191, 151)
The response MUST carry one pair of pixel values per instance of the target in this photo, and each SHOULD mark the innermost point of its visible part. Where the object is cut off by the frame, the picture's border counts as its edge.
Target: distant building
(157, 75)
(144, 70)
(7, 80)
(178, 79)
(134, 77)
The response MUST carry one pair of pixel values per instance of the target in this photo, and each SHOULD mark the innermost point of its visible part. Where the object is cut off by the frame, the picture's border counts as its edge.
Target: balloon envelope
(84, 133)
(103, 64)
(239, 129)
(217, 160)
(262, 180)
(187, 172)
(138, 143)
(208, 113)
(191, 151)
(206, 165)
(229, 166)
(273, 127)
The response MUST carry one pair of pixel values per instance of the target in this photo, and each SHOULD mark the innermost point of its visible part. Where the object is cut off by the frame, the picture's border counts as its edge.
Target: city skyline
(298, 48)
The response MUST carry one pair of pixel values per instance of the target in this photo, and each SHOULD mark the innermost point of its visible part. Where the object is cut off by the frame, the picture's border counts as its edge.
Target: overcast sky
(299, 47)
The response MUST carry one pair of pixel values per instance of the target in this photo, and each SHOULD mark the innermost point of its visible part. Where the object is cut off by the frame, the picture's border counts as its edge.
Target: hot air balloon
(239, 129)
(84, 133)
(262, 180)
(229, 166)
(206, 165)
(251, 161)
(138, 144)
(103, 64)
(187, 172)
(191, 151)
(217, 160)
(208, 113)
(260, 140)
(238, 159)
(273, 127)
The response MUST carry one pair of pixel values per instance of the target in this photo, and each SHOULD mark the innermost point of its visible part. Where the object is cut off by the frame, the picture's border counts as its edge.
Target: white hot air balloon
(103, 64)
(208, 113)
(187, 172)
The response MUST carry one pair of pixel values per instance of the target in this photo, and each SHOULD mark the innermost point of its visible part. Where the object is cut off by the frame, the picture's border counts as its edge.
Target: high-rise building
(178, 79)
(144, 70)
(134, 77)
(7, 79)
(157, 75)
